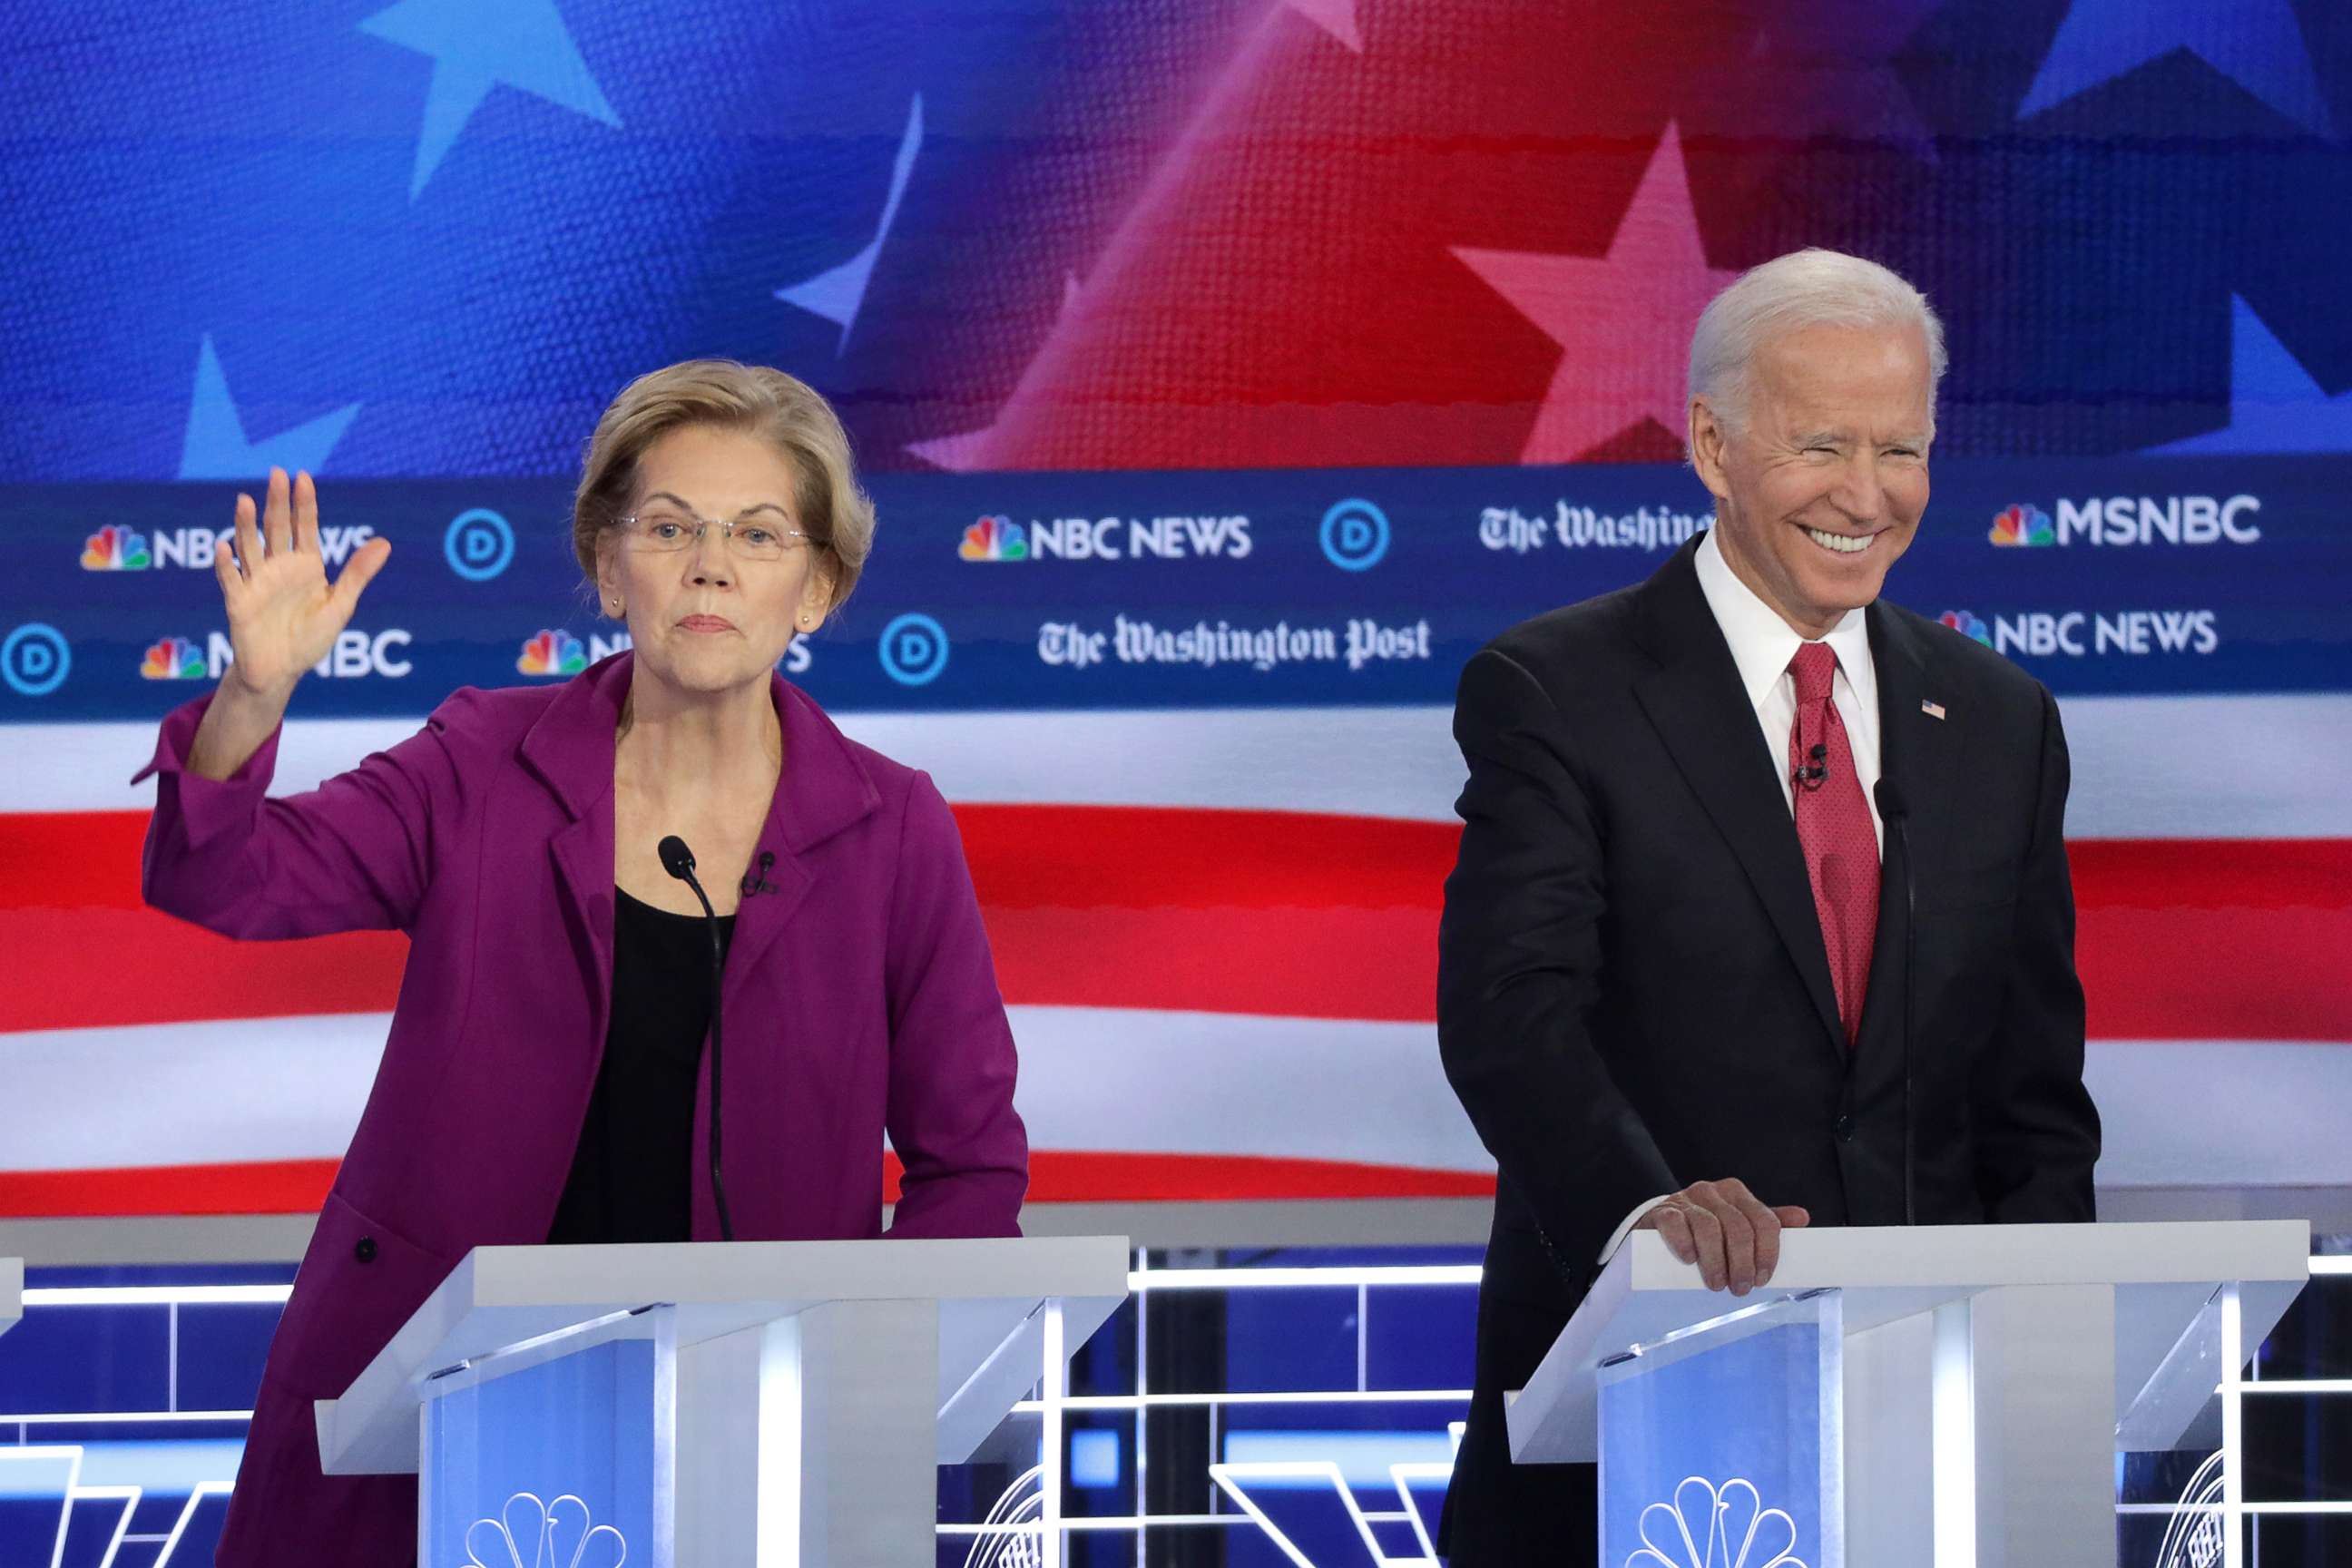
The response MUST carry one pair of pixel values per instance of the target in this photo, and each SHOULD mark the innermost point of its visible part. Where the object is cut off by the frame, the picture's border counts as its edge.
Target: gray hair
(1804, 289)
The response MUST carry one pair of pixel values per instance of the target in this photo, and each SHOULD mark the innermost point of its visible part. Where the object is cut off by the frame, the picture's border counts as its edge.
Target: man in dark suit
(1761, 916)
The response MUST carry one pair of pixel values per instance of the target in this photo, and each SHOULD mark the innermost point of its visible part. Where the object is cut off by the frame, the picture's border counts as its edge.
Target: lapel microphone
(678, 861)
(1816, 767)
(756, 880)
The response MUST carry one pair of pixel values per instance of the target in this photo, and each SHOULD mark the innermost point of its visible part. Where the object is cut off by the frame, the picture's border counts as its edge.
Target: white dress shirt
(1762, 644)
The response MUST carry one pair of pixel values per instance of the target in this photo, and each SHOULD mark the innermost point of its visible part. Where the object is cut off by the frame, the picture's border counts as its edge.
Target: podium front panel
(567, 1459)
(1723, 1444)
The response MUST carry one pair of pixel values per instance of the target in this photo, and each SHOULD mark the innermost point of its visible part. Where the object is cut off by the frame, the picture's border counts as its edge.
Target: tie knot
(1813, 667)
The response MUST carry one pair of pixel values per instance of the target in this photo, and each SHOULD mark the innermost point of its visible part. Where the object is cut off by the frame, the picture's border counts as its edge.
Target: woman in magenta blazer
(543, 1077)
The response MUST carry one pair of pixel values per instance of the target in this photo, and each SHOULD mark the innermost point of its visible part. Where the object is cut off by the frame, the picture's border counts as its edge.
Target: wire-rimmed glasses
(756, 533)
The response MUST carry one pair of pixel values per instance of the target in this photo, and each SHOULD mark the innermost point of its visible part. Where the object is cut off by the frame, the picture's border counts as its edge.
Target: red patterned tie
(1834, 826)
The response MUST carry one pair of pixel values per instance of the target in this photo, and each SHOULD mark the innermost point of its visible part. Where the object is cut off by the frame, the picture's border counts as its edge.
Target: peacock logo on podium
(2196, 1534)
(1734, 1511)
(529, 1533)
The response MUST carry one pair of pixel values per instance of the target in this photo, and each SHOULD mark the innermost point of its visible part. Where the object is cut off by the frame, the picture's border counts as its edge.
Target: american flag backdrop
(1225, 372)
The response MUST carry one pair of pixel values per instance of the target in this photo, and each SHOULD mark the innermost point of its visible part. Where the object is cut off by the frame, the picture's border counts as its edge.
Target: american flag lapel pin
(1932, 709)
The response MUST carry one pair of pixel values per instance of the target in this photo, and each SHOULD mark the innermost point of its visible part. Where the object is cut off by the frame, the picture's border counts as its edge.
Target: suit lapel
(1917, 751)
(1918, 755)
(1701, 711)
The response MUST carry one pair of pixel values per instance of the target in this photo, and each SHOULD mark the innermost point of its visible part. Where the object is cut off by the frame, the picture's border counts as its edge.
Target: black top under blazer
(1634, 993)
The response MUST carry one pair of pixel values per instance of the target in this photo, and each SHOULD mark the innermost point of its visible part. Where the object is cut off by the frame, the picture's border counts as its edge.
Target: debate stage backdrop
(1226, 372)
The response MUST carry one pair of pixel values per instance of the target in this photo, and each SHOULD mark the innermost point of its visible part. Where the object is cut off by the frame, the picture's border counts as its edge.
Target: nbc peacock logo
(1968, 624)
(552, 653)
(1709, 1526)
(2022, 524)
(174, 658)
(995, 539)
(534, 1535)
(113, 549)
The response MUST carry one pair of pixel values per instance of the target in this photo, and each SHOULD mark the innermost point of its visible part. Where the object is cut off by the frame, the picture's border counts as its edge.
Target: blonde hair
(780, 409)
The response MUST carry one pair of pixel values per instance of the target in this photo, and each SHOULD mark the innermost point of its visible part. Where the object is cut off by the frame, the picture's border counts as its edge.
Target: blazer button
(365, 1250)
(1845, 1128)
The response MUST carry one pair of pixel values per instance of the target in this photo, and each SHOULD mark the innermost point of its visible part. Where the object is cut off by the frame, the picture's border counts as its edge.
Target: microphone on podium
(678, 861)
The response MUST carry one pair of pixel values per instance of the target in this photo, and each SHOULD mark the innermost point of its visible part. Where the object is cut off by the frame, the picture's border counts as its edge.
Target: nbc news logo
(995, 539)
(2022, 524)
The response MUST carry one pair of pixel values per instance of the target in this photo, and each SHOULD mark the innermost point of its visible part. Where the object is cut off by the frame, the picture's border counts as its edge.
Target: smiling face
(1823, 487)
(704, 618)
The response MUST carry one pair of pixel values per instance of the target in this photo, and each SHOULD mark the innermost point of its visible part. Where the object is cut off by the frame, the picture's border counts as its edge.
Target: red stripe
(2215, 939)
(299, 1186)
(70, 859)
(1161, 857)
(1023, 856)
(260, 1186)
(101, 967)
(1070, 1176)
(1222, 911)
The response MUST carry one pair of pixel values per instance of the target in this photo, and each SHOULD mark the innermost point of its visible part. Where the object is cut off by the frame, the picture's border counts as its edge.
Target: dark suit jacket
(1634, 995)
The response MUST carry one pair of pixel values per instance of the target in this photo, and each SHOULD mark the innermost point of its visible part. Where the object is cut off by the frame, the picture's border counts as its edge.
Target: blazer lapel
(822, 789)
(1701, 711)
(570, 749)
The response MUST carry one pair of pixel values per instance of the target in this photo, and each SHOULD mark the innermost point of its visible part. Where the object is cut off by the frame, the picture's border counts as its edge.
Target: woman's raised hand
(283, 614)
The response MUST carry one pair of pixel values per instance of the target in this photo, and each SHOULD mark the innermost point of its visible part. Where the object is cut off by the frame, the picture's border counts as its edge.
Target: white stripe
(2210, 767)
(174, 1295)
(1375, 1093)
(2250, 1113)
(1213, 1083)
(1096, 1078)
(2145, 767)
(1121, 1080)
(186, 1094)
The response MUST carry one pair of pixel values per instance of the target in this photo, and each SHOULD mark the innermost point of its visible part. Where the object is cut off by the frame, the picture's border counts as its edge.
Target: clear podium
(12, 1292)
(751, 1403)
(1947, 1397)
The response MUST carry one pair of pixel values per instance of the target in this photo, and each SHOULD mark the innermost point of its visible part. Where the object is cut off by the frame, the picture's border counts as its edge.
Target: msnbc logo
(113, 549)
(552, 653)
(175, 658)
(995, 539)
(1965, 623)
(2022, 524)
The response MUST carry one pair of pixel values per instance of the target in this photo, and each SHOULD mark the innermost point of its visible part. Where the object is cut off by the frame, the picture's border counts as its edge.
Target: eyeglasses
(662, 527)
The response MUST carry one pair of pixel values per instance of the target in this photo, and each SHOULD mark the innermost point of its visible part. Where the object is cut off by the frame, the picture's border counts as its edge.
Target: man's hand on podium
(1732, 1235)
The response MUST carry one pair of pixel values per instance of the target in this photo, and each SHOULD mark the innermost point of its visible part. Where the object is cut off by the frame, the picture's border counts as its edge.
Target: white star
(475, 47)
(2254, 43)
(215, 448)
(839, 292)
(2275, 405)
(1337, 18)
(969, 450)
(1616, 318)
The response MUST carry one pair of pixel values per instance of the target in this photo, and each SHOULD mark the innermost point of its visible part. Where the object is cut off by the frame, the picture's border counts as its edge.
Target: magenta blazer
(859, 998)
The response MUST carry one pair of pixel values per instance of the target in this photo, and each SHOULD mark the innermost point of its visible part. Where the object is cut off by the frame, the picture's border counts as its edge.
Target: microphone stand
(678, 861)
(1893, 810)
